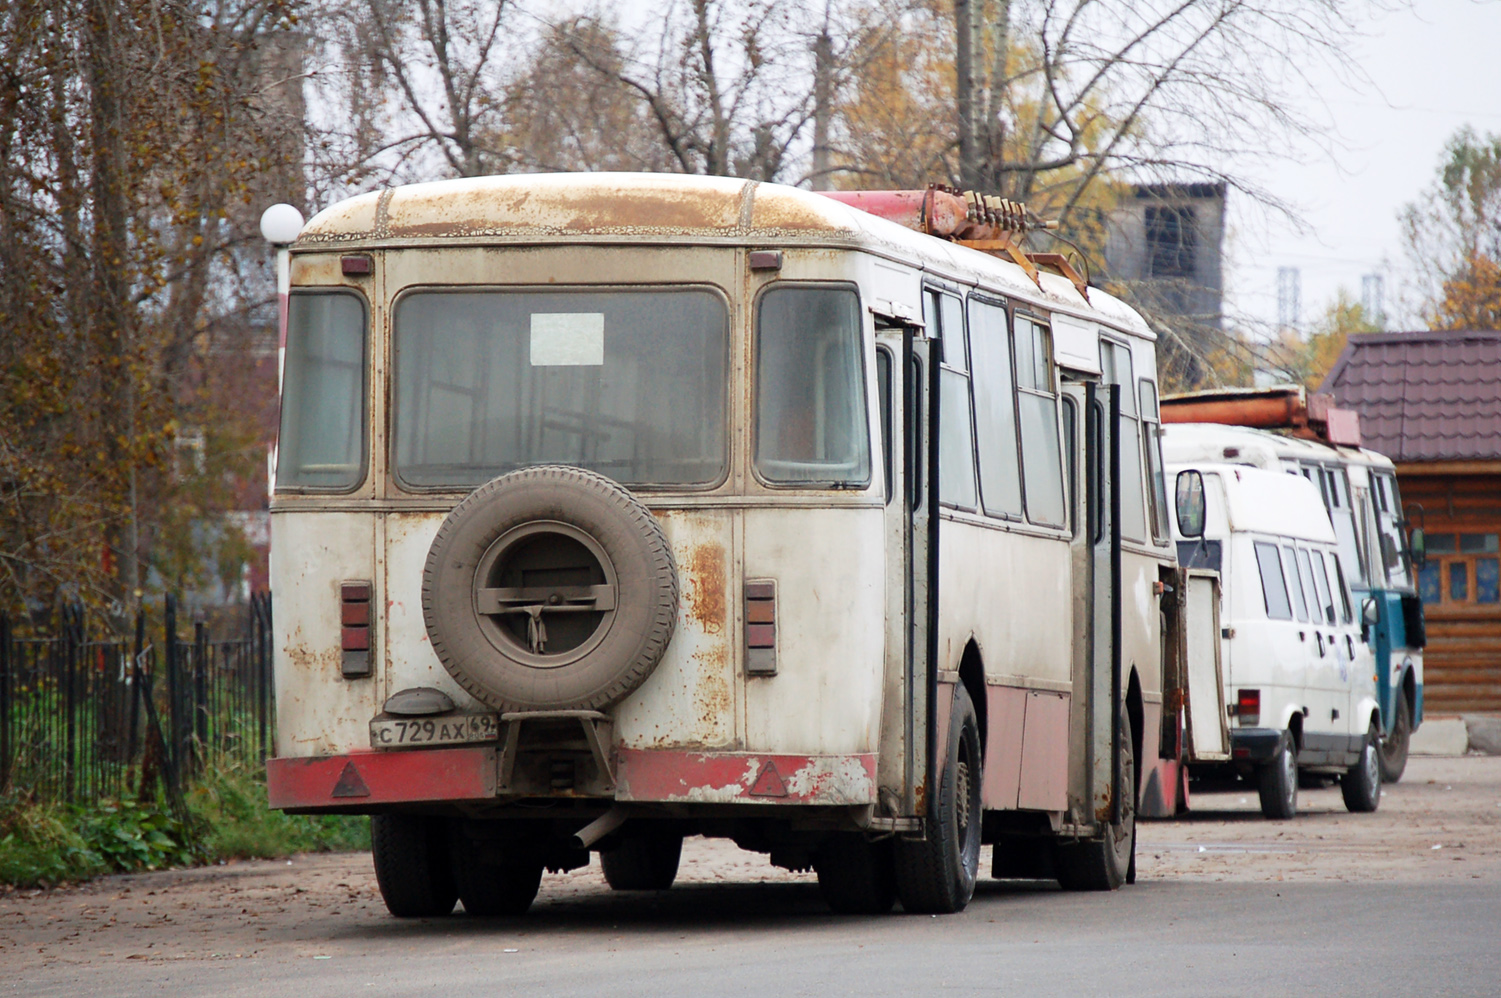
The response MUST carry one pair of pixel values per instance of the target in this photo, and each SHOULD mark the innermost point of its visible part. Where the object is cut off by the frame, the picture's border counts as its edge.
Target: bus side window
(1115, 362)
(1152, 441)
(1042, 467)
(1070, 460)
(995, 410)
(916, 456)
(883, 389)
(956, 437)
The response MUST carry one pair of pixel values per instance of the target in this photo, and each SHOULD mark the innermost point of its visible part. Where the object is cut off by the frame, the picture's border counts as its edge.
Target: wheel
(1278, 781)
(643, 863)
(493, 885)
(1393, 752)
(1361, 783)
(550, 588)
(412, 865)
(856, 877)
(937, 875)
(1105, 863)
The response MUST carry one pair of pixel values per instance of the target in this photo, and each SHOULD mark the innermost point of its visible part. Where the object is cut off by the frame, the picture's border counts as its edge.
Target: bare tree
(417, 89)
(726, 84)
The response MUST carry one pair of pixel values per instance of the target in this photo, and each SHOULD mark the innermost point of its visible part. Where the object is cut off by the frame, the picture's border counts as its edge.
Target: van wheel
(1105, 863)
(412, 865)
(937, 875)
(1394, 746)
(856, 877)
(1279, 781)
(1361, 783)
(643, 863)
(490, 885)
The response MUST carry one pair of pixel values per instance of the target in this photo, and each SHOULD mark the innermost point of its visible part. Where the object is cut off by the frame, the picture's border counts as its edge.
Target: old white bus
(613, 509)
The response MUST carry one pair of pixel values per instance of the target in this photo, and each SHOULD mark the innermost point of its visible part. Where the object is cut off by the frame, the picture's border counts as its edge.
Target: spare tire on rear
(550, 588)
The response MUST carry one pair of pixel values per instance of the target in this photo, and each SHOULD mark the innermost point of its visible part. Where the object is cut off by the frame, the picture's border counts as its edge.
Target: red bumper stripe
(745, 778)
(382, 778)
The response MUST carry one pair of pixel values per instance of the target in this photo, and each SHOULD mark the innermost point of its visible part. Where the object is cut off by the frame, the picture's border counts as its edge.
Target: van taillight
(354, 629)
(1248, 707)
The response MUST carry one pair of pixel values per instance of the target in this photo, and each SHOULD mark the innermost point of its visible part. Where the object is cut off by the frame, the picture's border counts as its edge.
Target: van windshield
(627, 383)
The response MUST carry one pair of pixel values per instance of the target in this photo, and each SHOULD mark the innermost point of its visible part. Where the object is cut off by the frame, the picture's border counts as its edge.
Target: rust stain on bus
(706, 585)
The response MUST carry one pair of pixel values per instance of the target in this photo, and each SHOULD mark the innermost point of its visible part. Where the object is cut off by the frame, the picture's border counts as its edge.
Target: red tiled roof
(1423, 396)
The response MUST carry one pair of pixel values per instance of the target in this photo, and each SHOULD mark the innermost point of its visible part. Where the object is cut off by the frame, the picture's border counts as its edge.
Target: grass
(49, 844)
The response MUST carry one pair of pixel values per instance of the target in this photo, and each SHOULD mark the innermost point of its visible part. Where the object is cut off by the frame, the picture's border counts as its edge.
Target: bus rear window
(630, 384)
(322, 443)
(810, 389)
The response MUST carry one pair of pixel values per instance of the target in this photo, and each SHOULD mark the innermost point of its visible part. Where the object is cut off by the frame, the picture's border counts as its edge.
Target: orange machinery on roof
(1281, 407)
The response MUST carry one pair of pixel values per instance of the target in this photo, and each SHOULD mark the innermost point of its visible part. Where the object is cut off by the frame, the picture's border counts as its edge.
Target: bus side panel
(829, 567)
(1012, 593)
(318, 712)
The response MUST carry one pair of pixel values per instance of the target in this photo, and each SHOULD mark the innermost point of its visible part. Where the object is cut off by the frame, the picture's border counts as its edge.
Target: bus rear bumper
(370, 781)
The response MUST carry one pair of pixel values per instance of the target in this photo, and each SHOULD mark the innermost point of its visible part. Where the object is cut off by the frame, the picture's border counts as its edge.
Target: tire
(1393, 754)
(1104, 864)
(1361, 783)
(412, 865)
(489, 886)
(937, 875)
(1278, 781)
(643, 863)
(855, 876)
(513, 579)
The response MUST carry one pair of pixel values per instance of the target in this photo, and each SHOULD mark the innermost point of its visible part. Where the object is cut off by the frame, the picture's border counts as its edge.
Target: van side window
(1300, 606)
(1273, 588)
(995, 410)
(1321, 580)
(1305, 570)
(1344, 590)
(1042, 466)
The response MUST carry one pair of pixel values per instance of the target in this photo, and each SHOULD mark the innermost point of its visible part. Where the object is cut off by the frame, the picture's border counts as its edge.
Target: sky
(1432, 68)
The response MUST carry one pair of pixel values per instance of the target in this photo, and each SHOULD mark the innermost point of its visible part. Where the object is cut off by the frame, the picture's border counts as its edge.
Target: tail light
(354, 629)
(761, 628)
(1248, 707)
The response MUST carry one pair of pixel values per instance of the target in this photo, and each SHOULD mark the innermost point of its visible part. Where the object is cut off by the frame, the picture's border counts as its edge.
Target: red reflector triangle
(350, 784)
(769, 782)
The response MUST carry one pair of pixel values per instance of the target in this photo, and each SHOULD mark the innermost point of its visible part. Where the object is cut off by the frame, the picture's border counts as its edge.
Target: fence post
(5, 706)
(200, 693)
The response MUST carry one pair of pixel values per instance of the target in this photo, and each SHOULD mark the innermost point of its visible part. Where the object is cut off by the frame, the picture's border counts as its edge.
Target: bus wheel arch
(972, 678)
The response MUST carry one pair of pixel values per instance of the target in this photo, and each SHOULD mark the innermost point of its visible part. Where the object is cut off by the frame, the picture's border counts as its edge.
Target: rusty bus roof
(528, 209)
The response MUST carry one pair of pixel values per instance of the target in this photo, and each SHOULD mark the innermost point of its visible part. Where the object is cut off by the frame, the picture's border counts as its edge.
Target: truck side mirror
(1190, 503)
(1418, 547)
(1370, 616)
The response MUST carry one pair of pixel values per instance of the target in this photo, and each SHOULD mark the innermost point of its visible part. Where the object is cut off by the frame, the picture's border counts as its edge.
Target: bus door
(908, 389)
(1102, 660)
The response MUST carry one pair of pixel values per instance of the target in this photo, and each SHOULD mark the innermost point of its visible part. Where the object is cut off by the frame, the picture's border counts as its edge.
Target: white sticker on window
(568, 339)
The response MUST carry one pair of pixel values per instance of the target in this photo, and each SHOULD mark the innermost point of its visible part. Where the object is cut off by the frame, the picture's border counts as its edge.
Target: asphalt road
(1227, 904)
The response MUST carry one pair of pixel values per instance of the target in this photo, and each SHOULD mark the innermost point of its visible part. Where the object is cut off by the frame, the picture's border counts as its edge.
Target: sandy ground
(1441, 823)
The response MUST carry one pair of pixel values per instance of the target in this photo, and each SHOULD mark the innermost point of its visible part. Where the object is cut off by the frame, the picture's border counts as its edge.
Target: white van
(1299, 685)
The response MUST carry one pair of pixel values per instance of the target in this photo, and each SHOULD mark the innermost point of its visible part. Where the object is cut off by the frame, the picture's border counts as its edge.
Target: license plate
(404, 732)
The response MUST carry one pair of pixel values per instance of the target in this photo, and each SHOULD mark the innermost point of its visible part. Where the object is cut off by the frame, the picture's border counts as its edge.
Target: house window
(1172, 240)
(1462, 570)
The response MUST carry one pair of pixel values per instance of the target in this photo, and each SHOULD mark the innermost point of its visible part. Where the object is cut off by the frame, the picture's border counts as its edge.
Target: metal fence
(88, 714)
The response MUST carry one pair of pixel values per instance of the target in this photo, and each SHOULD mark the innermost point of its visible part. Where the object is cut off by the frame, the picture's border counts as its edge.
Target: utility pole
(964, 90)
(1289, 295)
(823, 98)
(1372, 291)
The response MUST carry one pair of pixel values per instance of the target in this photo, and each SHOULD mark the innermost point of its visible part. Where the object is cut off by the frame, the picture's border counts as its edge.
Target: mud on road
(1441, 823)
